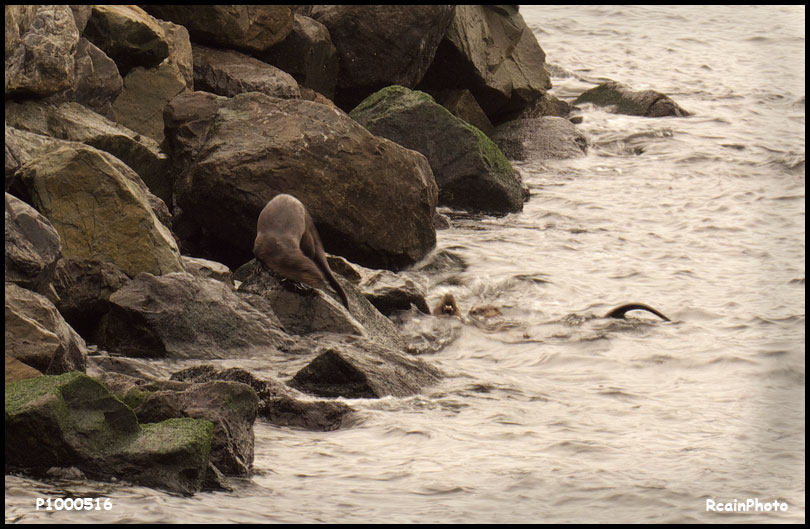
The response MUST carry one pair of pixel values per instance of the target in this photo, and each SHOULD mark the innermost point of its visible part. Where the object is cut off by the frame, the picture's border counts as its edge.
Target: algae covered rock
(72, 420)
(470, 170)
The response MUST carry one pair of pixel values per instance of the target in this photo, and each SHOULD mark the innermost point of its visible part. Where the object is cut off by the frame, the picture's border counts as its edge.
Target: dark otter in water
(288, 243)
(619, 312)
(447, 306)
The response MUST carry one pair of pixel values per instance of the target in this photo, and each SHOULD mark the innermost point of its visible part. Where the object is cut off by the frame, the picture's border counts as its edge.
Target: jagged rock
(252, 28)
(490, 51)
(390, 292)
(207, 268)
(32, 246)
(101, 212)
(540, 138)
(470, 170)
(72, 420)
(181, 316)
(622, 99)
(381, 45)
(238, 153)
(37, 335)
(41, 41)
(228, 72)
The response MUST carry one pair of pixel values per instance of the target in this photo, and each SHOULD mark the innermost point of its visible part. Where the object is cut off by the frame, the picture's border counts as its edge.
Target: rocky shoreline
(141, 145)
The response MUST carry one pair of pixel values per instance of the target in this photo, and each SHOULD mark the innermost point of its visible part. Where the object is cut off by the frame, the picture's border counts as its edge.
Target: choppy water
(551, 415)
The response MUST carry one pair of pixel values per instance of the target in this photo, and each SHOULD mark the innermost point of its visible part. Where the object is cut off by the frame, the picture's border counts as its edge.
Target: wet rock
(74, 122)
(101, 212)
(622, 99)
(240, 152)
(492, 52)
(381, 45)
(72, 420)
(251, 28)
(278, 403)
(37, 335)
(83, 288)
(470, 170)
(32, 246)
(308, 55)
(181, 316)
(228, 72)
(540, 138)
(354, 369)
(41, 42)
(390, 292)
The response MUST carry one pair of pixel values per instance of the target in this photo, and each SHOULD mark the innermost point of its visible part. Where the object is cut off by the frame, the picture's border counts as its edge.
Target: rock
(72, 420)
(540, 138)
(95, 203)
(305, 310)
(206, 268)
(470, 170)
(252, 28)
(128, 35)
(492, 52)
(32, 246)
(463, 105)
(41, 41)
(621, 99)
(16, 370)
(278, 403)
(381, 45)
(182, 316)
(74, 122)
(390, 292)
(228, 72)
(83, 287)
(238, 153)
(308, 55)
(37, 335)
(356, 369)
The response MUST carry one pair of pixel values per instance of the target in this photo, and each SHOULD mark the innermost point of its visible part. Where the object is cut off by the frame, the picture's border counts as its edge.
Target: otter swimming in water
(447, 306)
(288, 243)
(619, 312)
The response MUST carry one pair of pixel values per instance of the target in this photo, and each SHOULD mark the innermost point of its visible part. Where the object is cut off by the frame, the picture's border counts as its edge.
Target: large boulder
(32, 246)
(371, 199)
(492, 52)
(181, 316)
(622, 99)
(37, 335)
(228, 72)
(540, 138)
(41, 42)
(101, 209)
(252, 28)
(72, 420)
(380, 45)
(470, 170)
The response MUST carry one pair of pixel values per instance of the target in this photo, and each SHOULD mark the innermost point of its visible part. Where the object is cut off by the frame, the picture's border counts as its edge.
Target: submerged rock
(622, 99)
(72, 420)
(540, 138)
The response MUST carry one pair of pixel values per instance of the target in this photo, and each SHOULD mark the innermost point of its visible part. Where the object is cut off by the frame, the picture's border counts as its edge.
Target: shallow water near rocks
(549, 413)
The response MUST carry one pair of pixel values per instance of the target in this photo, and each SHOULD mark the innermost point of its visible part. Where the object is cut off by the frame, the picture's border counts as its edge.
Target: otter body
(288, 243)
(619, 312)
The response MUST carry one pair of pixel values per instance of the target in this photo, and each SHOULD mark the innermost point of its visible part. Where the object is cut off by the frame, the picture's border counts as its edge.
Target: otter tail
(332, 281)
(619, 312)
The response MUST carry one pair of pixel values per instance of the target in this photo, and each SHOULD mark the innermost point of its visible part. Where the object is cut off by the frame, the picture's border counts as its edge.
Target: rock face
(41, 43)
(380, 45)
(490, 51)
(540, 138)
(100, 209)
(72, 420)
(32, 246)
(470, 170)
(37, 335)
(180, 316)
(622, 99)
(372, 200)
(228, 72)
(253, 28)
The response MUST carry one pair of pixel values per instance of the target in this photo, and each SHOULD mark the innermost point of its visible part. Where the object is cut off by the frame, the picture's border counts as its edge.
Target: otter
(447, 306)
(288, 243)
(619, 312)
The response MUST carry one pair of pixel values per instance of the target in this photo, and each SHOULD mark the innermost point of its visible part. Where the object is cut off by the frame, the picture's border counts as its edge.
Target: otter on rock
(619, 312)
(288, 243)
(447, 306)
